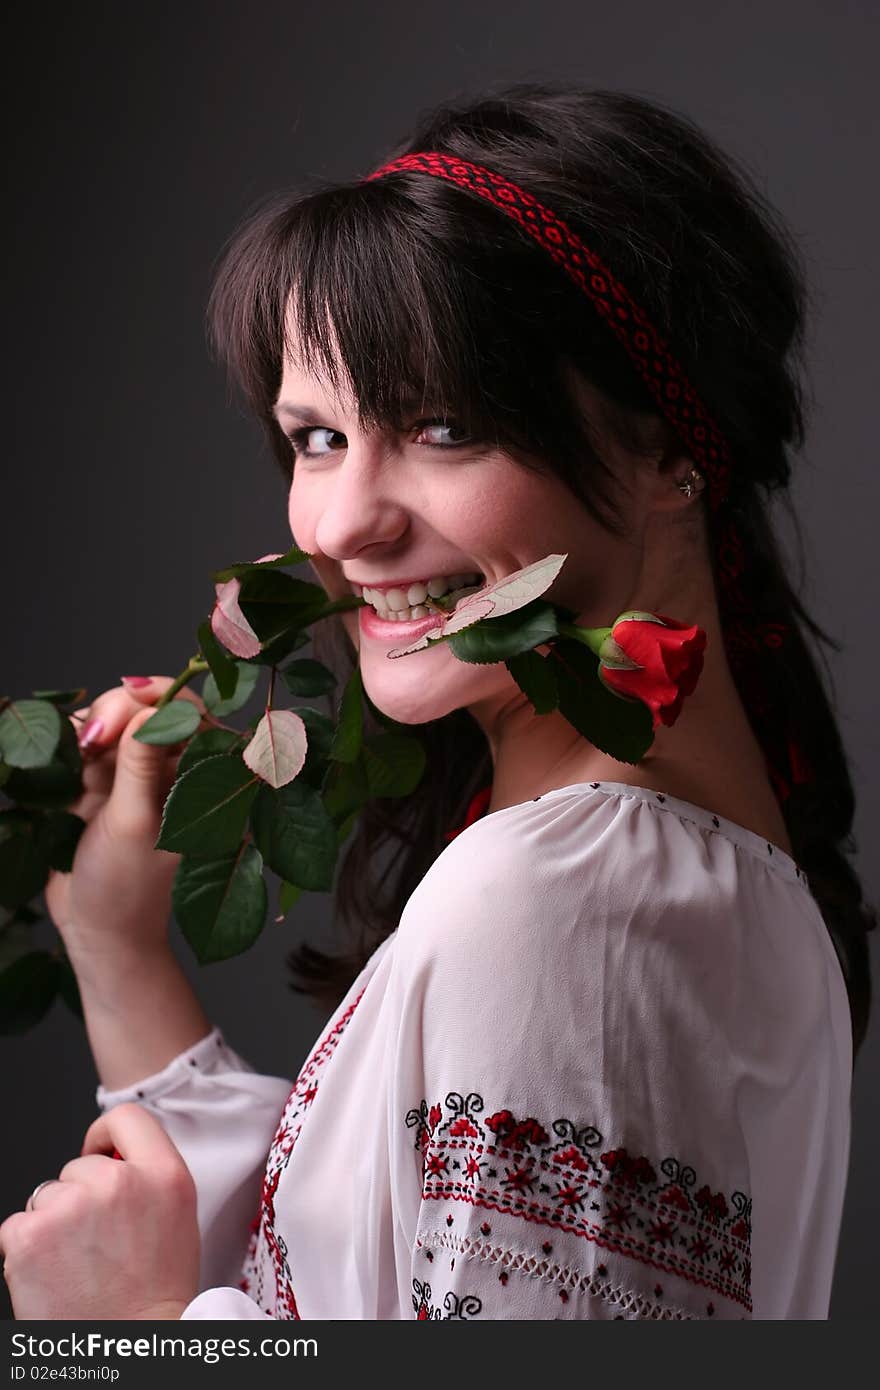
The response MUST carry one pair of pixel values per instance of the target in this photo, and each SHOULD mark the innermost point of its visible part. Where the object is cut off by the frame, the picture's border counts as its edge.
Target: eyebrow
(302, 412)
(309, 416)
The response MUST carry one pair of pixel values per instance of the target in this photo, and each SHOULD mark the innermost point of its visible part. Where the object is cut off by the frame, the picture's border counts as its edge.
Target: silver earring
(691, 483)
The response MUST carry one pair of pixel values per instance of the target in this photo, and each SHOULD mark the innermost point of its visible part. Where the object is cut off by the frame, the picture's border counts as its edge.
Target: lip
(383, 630)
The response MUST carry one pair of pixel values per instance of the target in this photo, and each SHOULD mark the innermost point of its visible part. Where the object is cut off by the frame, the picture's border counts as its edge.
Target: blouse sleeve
(569, 1138)
(222, 1116)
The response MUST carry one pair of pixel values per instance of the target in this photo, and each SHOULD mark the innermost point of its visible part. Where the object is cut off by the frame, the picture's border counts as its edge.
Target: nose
(360, 505)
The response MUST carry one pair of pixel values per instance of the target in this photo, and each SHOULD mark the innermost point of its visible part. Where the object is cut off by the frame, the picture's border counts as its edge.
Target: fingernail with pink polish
(90, 732)
(136, 681)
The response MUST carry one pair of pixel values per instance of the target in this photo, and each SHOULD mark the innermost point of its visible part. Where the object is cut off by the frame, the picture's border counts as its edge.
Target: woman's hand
(111, 1239)
(117, 898)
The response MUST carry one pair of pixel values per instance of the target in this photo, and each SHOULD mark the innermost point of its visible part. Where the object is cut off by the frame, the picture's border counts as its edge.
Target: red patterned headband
(677, 400)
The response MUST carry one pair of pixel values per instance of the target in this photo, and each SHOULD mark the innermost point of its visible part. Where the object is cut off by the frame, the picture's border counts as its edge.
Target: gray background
(140, 137)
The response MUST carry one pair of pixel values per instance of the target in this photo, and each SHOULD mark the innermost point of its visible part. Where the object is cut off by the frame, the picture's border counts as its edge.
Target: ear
(667, 472)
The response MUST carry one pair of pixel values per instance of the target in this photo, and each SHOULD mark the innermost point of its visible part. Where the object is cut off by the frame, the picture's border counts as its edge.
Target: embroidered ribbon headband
(678, 401)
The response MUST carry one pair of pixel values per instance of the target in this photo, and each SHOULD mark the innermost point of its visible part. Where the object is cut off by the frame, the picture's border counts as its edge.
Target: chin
(410, 702)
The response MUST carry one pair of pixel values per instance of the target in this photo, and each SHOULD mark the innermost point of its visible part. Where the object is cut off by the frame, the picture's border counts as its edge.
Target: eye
(304, 438)
(301, 440)
(448, 425)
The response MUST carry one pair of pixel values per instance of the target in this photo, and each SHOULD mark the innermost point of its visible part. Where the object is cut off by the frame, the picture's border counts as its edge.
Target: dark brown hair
(424, 289)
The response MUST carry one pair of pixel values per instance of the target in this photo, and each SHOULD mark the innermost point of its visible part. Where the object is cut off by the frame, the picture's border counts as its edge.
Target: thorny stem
(194, 666)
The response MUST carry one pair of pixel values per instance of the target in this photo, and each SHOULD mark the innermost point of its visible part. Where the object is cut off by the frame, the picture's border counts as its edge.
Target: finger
(10, 1230)
(114, 708)
(54, 1192)
(97, 777)
(94, 1170)
(144, 773)
(135, 1134)
(149, 694)
(33, 1198)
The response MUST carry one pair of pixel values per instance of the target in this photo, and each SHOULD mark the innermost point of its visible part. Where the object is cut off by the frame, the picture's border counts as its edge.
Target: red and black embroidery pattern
(654, 1212)
(456, 1305)
(266, 1272)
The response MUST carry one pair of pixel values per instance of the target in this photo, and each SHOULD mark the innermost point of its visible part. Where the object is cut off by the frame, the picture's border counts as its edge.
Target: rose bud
(652, 658)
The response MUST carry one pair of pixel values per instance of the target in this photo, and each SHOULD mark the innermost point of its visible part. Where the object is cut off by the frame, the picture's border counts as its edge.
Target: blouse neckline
(772, 855)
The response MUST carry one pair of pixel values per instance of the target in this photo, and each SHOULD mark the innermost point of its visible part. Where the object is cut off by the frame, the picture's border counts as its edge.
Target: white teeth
(391, 602)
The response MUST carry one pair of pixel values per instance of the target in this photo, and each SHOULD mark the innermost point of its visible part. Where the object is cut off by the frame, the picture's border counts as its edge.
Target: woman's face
(374, 508)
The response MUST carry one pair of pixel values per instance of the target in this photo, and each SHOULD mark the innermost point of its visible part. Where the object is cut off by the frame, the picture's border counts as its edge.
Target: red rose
(652, 658)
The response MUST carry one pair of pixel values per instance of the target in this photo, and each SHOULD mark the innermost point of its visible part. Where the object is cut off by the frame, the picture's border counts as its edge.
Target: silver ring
(39, 1187)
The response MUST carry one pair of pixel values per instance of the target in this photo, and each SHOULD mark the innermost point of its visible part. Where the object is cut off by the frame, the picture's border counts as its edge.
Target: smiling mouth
(430, 606)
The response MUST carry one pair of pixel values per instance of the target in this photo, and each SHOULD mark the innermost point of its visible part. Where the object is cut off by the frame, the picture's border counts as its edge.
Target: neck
(535, 753)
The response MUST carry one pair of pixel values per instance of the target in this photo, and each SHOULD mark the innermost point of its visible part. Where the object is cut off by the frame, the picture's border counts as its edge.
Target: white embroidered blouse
(601, 1069)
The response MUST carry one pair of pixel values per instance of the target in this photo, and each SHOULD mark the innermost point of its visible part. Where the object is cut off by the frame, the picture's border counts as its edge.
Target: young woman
(593, 1024)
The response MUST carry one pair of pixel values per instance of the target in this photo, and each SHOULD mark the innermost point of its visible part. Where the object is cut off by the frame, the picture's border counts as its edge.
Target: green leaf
(207, 809)
(29, 733)
(248, 675)
(272, 602)
(55, 785)
(395, 764)
(58, 836)
(345, 604)
(350, 729)
(24, 868)
(27, 988)
(345, 788)
(277, 750)
(171, 723)
(280, 648)
(223, 668)
(536, 677)
(498, 639)
(308, 677)
(62, 697)
(288, 894)
(295, 835)
(220, 904)
(206, 745)
(346, 828)
(622, 728)
(320, 732)
(294, 556)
